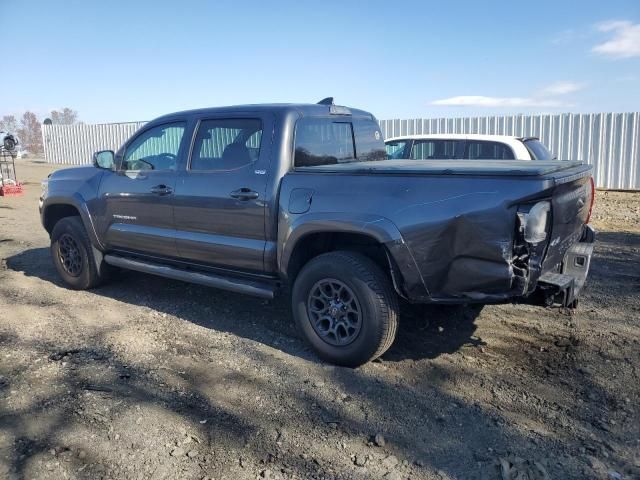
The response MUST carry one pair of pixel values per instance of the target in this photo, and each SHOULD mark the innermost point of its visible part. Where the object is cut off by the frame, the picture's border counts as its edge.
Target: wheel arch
(53, 213)
(56, 209)
(316, 236)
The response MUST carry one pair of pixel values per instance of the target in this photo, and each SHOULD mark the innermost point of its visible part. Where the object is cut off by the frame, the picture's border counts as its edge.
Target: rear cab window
(537, 149)
(333, 140)
(368, 140)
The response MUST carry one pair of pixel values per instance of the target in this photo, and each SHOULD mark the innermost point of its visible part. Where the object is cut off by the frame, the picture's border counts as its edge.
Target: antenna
(326, 101)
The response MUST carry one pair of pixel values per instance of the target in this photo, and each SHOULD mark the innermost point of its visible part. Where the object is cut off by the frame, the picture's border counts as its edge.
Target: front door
(136, 199)
(219, 198)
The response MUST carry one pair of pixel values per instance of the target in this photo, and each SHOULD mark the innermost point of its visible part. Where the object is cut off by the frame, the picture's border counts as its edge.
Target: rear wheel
(73, 255)
(345, 307)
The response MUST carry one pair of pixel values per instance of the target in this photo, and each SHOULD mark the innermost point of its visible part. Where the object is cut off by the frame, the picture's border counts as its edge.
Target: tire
(9, 142)
(357, 339)
(73, 255)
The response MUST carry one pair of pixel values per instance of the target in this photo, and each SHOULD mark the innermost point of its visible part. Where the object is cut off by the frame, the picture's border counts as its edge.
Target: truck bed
(459, 219)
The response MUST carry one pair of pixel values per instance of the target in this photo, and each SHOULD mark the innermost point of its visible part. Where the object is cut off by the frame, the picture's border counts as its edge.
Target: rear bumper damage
(562, 288)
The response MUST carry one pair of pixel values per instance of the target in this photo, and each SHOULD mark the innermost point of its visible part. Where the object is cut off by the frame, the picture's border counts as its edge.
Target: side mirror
(104, 159)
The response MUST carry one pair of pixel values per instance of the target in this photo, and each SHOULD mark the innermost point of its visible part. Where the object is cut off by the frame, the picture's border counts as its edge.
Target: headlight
(45, 188)
(535, 227)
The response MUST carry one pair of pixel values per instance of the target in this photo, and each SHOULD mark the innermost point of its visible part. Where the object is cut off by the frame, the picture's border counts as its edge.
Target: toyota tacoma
(302, 198)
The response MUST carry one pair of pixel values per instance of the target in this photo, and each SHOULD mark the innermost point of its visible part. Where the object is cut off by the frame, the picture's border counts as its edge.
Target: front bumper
(562, 288)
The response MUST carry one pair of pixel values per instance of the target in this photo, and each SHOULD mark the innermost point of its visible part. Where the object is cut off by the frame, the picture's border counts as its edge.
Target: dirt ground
(151, 378)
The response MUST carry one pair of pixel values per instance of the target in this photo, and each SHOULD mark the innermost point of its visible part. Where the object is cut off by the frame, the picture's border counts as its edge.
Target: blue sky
(134, 60)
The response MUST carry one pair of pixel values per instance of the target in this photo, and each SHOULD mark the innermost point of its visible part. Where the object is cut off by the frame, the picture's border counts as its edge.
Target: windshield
(395, 149)
(538, 150)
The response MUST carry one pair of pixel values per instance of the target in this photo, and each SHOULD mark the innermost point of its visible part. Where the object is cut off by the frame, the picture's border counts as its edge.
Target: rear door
(136, 199)
(219, 200)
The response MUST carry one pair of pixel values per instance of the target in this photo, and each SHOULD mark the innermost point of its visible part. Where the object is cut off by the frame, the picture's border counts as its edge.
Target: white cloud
(497, 102)
(547, 97)
(625, 40)
(562, 88)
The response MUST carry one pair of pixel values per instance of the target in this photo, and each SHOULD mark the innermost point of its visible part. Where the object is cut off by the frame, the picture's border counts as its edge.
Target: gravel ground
(151, 378)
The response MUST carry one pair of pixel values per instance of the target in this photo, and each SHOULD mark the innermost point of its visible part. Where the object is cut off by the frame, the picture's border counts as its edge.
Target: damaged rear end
(470, 231)
(505, 232)
(553, 242)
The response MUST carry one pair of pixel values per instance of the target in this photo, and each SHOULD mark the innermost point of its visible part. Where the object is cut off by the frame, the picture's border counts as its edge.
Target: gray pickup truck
(258, 198)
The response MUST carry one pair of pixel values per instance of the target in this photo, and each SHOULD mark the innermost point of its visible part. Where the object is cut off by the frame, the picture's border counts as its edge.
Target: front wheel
(73, 256)
(345, 307)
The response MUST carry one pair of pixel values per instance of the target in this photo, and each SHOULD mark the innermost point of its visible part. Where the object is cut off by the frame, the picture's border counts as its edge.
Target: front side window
(226, 144)
(480, 150)
(155, 149)
(437, 149)
(323, 141)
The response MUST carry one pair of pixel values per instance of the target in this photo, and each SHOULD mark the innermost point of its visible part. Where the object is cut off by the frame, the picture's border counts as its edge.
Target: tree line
(29, 128)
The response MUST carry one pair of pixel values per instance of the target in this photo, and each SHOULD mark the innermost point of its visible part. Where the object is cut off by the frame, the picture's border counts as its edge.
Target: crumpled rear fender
(405, 271)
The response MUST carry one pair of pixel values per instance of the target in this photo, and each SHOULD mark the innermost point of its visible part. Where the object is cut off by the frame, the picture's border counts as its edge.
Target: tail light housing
(536, 222)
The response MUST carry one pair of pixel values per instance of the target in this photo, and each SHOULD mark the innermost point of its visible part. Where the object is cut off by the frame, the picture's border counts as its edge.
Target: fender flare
(77, 201)
(379, 228)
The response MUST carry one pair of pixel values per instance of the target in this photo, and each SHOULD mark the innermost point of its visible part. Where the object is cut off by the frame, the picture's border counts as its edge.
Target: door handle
(161, 190)
(244, 194)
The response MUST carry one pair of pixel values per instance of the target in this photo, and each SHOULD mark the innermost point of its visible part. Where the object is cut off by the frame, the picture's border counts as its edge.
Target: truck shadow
(424, 332)
(428, 331)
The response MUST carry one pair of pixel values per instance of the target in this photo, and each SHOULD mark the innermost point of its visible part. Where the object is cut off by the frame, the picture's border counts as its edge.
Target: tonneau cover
(525, 168)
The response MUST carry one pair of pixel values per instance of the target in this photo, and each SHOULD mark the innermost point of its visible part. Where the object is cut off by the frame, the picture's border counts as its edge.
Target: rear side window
(538, 150)
(226, 144)
(321, 141)
(480, 150)
(329, 141)
(437, 149)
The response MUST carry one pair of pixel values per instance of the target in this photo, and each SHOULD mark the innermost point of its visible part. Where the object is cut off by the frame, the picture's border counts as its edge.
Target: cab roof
(304, 109)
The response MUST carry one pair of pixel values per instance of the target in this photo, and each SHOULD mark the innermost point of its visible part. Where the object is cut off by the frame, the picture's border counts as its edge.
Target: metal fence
(75, 144)
(608, 141)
